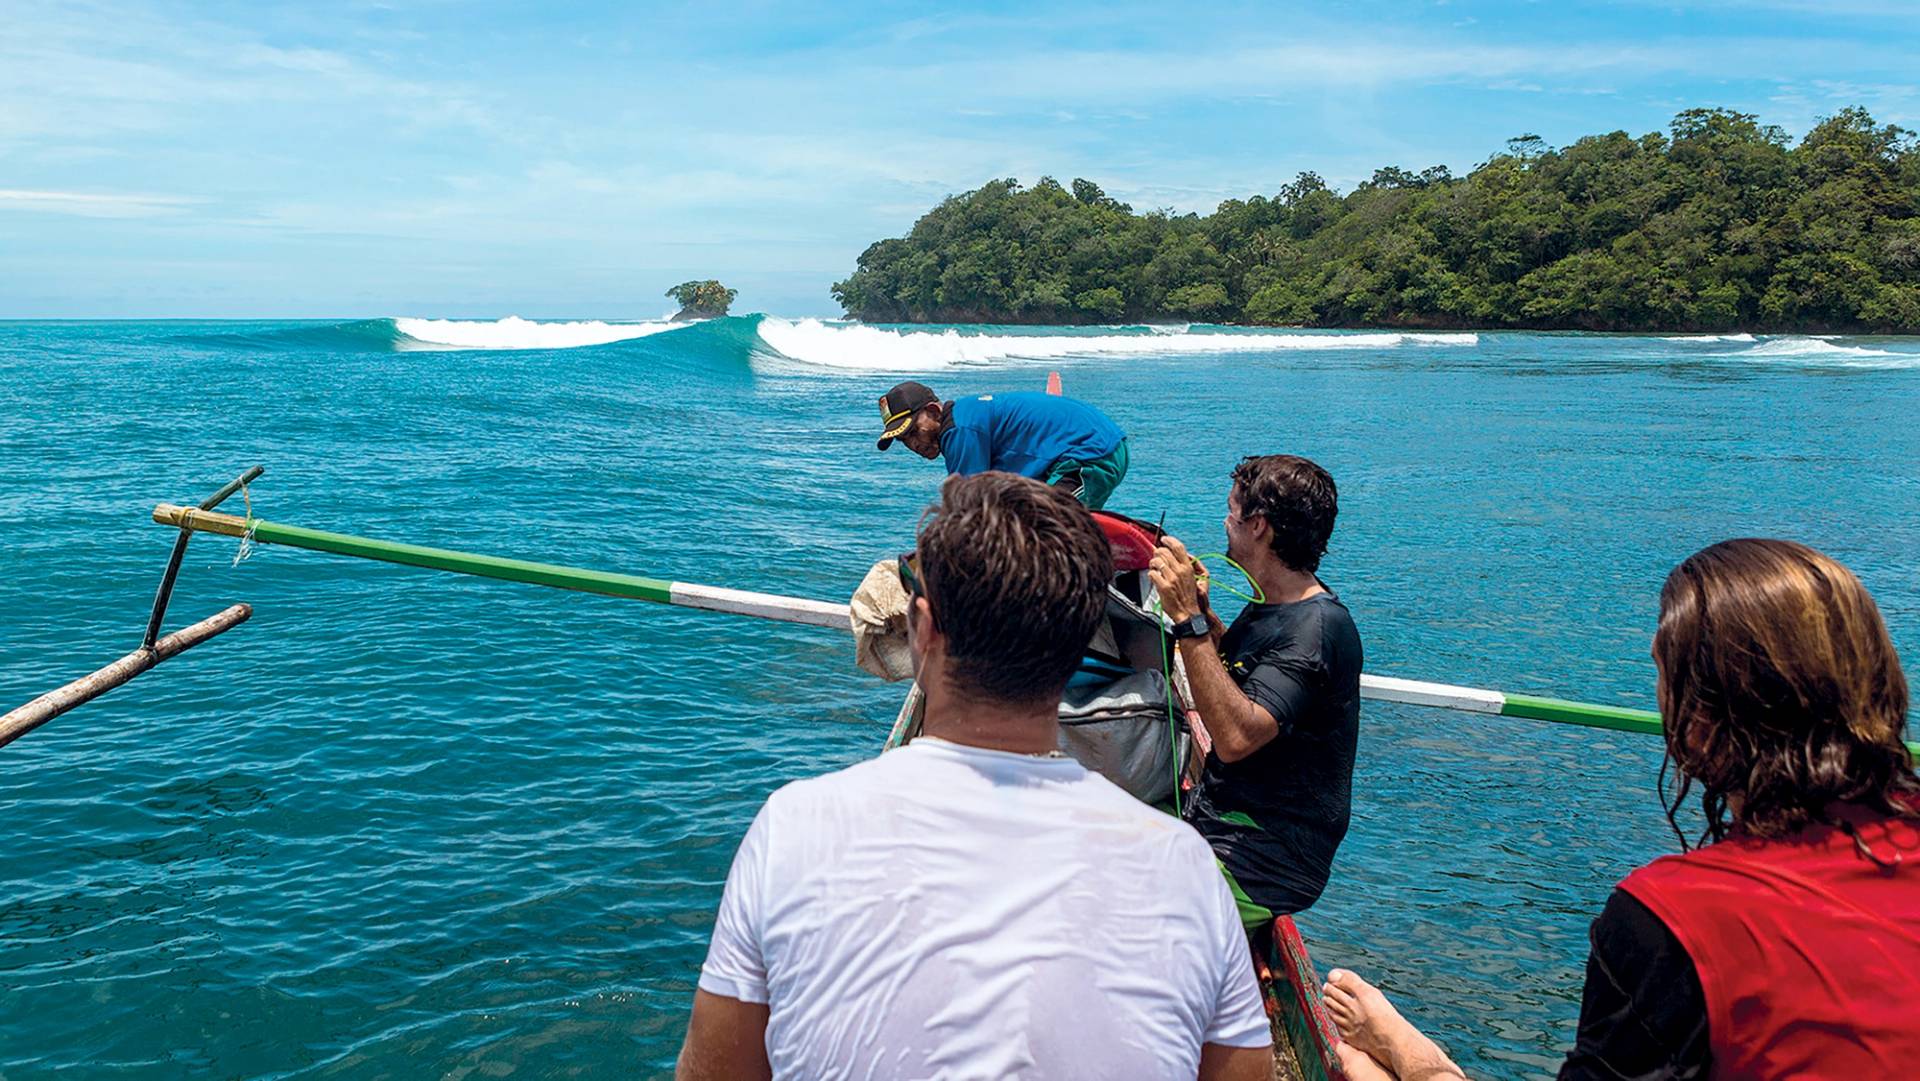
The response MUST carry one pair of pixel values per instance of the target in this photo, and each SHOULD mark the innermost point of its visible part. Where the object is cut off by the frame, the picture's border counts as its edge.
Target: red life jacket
(1808, 952)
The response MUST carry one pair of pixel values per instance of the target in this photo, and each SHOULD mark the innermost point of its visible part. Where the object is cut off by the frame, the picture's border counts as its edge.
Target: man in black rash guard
(1279, 691)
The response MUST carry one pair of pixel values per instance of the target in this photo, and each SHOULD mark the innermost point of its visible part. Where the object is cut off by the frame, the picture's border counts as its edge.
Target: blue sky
(573, 160)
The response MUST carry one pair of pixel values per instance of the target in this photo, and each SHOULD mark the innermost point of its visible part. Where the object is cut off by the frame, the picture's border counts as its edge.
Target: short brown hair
(1298, 500)
(1016, 575)
(1780, 689)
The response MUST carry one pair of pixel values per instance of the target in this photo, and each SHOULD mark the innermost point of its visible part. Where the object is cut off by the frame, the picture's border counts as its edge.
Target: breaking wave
(827, 345)
(854, 346)
(514, 332)
(1711, 338)
(1818, 349)
(409, 334)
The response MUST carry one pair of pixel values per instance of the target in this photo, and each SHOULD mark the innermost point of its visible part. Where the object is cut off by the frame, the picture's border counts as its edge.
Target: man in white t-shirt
(974, 904)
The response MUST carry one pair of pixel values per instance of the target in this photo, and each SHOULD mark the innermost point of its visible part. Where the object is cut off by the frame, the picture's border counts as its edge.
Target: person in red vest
(1788, 943)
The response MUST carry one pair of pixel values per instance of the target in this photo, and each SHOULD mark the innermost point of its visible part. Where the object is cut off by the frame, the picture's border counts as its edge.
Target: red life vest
(1808, 952)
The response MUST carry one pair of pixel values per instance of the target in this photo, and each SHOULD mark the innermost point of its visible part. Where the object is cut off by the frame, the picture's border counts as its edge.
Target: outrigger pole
(19, 722)
(828, 614)
(153, 648)
(608, 583)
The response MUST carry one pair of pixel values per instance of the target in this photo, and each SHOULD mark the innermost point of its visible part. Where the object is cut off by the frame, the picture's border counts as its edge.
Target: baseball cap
(897, 408)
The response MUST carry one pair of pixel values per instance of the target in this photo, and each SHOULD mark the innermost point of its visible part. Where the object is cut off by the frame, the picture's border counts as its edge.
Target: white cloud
(1799, 105)
(1865, 9)
(70, 73)
(91, 204)
(1333, 63)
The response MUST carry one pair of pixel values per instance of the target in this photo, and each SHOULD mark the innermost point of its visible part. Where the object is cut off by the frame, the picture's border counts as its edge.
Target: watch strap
(1196, 627)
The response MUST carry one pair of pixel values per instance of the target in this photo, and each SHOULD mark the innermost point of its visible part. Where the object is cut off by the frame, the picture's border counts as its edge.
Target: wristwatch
(1197, 627)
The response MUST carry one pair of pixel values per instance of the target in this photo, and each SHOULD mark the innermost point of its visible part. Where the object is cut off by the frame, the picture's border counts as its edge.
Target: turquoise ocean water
(411, 824)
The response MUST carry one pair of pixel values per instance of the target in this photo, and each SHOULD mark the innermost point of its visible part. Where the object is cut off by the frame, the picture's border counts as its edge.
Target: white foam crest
(1817, 349)
(514, 332)
(811, 341)
(1736, 338)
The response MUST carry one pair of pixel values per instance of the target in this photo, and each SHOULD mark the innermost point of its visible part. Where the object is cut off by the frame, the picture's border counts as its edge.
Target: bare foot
(1360, 1066)
(1366, 1019)
(1376, 1031)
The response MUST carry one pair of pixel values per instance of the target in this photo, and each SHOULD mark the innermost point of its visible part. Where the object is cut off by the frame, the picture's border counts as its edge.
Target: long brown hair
(1780, 690)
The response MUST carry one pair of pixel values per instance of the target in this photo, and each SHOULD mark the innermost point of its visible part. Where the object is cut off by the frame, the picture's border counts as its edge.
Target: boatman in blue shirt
(1059, 441)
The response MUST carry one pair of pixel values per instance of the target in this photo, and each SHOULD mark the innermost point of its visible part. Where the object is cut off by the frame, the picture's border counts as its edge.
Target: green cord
(1173, 726)
(1222, 556)
(1258, 596)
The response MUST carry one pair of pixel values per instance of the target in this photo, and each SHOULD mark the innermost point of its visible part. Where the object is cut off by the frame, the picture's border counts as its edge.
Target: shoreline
(1410, 327)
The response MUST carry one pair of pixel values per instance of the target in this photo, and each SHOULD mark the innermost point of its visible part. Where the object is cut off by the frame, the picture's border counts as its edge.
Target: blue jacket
(1024, 432)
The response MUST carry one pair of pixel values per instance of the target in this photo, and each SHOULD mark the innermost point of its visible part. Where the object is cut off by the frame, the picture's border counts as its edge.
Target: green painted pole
(822, 613)
(607, 583)
(1618, 718)
(1560, 711)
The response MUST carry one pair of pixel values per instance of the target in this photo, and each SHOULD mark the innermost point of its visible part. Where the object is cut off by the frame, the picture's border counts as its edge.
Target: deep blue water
(411, 824)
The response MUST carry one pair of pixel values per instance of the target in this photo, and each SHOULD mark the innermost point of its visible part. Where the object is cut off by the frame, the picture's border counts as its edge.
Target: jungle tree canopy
(705, 299)
(1722, 223)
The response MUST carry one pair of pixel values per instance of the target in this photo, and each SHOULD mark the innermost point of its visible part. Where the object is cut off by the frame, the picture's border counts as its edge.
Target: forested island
(701, 300)
(1722, 223)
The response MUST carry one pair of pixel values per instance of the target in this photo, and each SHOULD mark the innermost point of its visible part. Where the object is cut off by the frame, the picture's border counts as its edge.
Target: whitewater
(514, 332)
(852, 347)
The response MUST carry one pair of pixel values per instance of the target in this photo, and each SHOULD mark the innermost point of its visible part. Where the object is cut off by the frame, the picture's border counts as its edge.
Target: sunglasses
(909, 566)
(912, 581)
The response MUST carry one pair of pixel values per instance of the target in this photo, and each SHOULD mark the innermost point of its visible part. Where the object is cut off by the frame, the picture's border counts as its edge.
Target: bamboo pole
(829, 614)
(607, 583)
(19, 722)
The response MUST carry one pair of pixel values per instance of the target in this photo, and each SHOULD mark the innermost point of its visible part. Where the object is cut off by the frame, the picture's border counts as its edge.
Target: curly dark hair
(1016, 575)
(1297, 498)
(1780, 690)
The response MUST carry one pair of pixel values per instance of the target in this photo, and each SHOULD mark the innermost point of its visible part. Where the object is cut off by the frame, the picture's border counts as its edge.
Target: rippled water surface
(411, 824)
